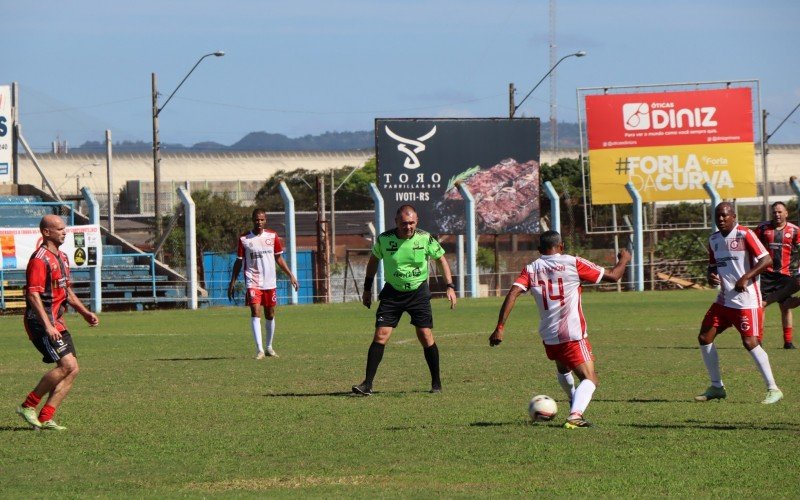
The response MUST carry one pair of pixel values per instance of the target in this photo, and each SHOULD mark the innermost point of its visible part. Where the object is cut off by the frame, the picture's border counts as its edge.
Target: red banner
(669, 118)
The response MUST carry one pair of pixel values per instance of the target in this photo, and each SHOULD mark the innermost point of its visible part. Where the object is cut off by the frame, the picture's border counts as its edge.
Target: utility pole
(553, 56)
(323, 270)
(764, 169)
(511, 107)
(156, 164)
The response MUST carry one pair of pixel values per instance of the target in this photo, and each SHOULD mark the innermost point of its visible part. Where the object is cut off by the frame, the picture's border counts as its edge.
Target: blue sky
(310, 66)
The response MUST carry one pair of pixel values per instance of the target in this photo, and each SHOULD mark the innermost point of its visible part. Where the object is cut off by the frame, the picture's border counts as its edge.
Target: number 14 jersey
(555, 283)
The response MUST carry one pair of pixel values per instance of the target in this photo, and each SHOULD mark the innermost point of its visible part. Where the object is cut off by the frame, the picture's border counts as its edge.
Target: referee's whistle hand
(366, 298)
(451, 295)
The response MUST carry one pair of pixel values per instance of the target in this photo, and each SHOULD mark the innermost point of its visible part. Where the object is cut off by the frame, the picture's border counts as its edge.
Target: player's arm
(285, 268)
(79, 306)
(237, 268)
(764, 262)
(35, 300)
(508, 304)
(615, 273)
(372, 268)
(448, 277)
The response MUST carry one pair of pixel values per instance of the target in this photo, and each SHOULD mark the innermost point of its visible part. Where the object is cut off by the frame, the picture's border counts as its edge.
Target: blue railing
(70, 204)
(150, 256)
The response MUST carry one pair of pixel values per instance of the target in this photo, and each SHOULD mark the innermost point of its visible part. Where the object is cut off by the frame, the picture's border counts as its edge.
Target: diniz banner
(6, 135)
(669, 143)
(420, 161)
(82, 245)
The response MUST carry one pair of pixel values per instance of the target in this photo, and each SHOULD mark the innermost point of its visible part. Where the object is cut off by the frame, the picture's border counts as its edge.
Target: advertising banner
(669, 143)
(83, 245)
(420, 160)
(6, 133)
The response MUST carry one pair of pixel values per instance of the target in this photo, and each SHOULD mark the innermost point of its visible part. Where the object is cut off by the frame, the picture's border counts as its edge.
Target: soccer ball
(542, 407)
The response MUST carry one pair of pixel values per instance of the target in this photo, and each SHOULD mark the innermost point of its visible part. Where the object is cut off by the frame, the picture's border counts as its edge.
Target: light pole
(514, 109)
(334, 190)
(764, 151)
(157, 145)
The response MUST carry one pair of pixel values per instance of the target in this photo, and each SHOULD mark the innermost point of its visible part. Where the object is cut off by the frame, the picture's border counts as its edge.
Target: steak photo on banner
(421, 160)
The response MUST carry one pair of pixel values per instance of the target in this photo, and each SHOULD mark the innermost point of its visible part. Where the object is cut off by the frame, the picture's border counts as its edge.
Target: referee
(405, 251)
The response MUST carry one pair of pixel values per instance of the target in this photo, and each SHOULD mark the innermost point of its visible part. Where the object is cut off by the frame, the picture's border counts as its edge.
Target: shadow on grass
(339, 394)
(215, 358)
(8, 428)
(719, 426)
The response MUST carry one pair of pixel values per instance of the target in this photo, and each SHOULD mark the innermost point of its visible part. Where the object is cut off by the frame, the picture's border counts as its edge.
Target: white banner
(83, 245)
(6, 133)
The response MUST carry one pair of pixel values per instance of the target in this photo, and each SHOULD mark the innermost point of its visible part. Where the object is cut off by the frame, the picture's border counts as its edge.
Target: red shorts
(749, 322)
(266, 298)
(570, 354)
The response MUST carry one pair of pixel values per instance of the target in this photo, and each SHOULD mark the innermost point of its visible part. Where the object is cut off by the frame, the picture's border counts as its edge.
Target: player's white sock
(255, 325)
(711, 359)
(270, 331)
(567, 382)
(762, 363)
(582, 397)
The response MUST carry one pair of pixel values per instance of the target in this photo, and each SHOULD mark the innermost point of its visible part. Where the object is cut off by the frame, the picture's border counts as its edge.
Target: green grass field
(172, 403)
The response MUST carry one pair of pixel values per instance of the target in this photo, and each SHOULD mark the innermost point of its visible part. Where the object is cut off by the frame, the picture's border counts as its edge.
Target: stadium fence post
(638, 237)
(291, 232)
(472, 239)
(191, 245)
(97, 283)
(555, 207)
(380, 227)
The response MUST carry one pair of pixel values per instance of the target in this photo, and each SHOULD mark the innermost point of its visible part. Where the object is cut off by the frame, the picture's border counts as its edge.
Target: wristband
(368, 282)
(451, 285)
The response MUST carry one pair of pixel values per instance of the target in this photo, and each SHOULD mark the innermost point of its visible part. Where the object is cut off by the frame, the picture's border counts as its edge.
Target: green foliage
(565, 175)
(485, 258)
(688, 247)
(171, 404)
(352, 195)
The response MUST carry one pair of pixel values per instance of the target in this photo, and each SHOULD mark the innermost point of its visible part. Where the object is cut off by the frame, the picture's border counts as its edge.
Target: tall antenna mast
(553, 58)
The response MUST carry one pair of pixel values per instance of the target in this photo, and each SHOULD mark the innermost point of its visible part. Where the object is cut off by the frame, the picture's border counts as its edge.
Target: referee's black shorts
(417, 303)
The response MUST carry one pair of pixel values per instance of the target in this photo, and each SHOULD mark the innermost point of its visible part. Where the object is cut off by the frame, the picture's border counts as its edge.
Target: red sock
(46, 413)
(32, 401)
(787, 334)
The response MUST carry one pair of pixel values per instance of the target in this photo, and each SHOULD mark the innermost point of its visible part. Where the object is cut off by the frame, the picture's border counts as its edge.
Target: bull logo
(411, 162)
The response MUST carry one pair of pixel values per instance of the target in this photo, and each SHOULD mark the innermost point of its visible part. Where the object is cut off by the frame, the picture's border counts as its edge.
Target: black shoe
(436, 388)
(362, 389)
(788, 345)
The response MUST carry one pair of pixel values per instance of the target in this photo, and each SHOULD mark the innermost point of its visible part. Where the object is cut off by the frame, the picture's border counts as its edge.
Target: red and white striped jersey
(734, 255)
(48, 275)
(259, 252)
(780, 243)
(555, 283)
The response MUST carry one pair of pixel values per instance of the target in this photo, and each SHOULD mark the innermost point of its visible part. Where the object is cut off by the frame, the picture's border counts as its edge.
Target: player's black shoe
(363, 389)
(789, 345)
(436, 388)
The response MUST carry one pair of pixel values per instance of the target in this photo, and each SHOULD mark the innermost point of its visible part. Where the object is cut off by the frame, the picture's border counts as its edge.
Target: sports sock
(46, 413)
(787, 335)
(762, 363)
(374, 357)
(432, 358)
(255, 325)
(567, 382)
(270, 331)
(32, 401)
(711, 359)
(583, 395)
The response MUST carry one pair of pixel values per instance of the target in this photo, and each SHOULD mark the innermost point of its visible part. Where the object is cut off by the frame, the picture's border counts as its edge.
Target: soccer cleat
(50, 425)
(436, 388)
(260, 355)
(712, 393)
(271, 353)
(29, 415)
(577, 423)
(773, 396)
(362, 389)
(789, 345)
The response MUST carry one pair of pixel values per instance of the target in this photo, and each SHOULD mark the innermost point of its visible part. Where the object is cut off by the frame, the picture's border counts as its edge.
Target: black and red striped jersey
(780, 243)
(48, 275)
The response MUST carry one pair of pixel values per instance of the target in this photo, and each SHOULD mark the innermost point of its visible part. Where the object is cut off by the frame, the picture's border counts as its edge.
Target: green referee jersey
(405, 262)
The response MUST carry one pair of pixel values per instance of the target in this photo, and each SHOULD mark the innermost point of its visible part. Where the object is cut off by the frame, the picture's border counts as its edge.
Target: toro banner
(669, 143)
(420, 160)
(6, 135)
(82, 245)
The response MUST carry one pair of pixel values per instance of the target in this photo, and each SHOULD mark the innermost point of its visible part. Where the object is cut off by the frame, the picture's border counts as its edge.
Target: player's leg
(750, 328)
(713, 323)
(786, 323)
(68, 367)
(253, 298)
(565, 380)
(270, 302)
(50, 354)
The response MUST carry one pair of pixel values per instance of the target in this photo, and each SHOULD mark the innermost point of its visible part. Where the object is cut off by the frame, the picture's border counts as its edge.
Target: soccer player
(554, 280)
(405, 251)
(259, 249)
(781, 238)
(47, 288)
(736, 258)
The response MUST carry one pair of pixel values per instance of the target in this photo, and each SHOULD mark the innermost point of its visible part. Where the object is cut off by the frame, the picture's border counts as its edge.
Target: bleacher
(129, 280)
